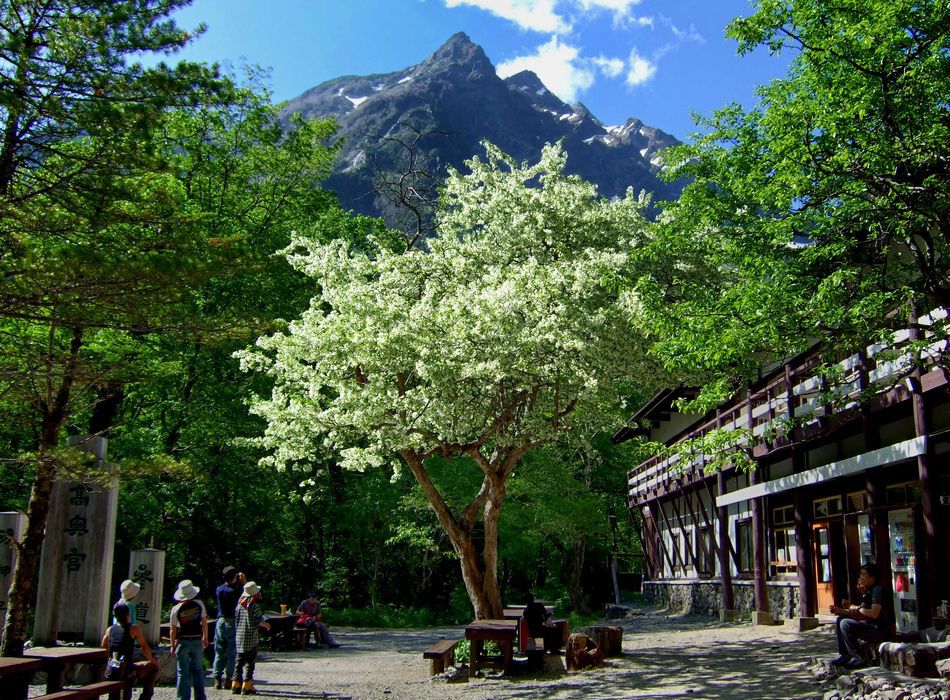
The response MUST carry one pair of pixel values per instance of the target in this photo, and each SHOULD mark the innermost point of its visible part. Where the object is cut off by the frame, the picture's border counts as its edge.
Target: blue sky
(657, 60)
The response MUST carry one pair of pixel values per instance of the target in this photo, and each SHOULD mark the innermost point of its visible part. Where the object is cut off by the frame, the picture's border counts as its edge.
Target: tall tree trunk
(579, 553)
(479, 573)
(28, 551)
(28, 558)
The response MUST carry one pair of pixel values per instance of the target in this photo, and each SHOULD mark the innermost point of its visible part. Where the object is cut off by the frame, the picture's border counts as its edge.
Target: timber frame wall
(885, 444)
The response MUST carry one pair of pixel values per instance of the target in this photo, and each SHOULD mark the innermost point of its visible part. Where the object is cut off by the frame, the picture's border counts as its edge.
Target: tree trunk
(21, 589)
(479, 573)
(28, 555)
(578, 551)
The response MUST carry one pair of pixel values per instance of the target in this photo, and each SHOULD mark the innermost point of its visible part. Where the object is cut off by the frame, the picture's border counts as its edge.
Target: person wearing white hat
(248, 619)
(189, 639)
(128, 589)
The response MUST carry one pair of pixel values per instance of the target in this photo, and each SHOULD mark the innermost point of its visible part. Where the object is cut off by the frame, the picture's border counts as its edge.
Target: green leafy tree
(137, 243)
(475, 351)
(823, 211)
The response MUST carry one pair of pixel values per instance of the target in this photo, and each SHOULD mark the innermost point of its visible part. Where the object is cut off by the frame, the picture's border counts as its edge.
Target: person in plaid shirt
(248, 618)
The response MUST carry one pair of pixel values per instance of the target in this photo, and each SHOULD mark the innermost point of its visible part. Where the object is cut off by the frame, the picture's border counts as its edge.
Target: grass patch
(389, 616)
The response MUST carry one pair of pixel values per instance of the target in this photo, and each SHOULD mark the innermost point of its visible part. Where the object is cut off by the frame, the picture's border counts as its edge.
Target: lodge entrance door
(824, 571)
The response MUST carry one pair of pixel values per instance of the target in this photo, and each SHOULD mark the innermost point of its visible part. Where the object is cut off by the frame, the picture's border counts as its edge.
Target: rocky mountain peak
(455, 99)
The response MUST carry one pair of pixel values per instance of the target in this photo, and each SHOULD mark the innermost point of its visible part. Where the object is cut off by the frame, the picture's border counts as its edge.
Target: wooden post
(760, 571)
(806, 571)
(648, 540)
(725, 572)
(926, 569)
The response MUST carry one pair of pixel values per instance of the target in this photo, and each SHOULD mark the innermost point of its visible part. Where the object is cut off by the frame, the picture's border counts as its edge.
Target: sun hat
(129, 589)
(186, 590)
(251, 588)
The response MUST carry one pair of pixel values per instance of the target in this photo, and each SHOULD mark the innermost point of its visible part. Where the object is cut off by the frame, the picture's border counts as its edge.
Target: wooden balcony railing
(795, 395)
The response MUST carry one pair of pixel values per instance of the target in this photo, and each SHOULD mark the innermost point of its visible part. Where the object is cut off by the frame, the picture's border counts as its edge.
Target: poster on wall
(903, 568)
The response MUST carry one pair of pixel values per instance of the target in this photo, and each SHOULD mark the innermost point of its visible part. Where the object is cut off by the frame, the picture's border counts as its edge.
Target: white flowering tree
(476, 350)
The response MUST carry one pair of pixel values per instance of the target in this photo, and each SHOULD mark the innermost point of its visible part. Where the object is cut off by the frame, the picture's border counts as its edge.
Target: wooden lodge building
(852, 481)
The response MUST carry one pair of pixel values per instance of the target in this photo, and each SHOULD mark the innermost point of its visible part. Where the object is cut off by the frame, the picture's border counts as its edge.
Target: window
(744, 542)
(826, 507)
(903, 494)
(684, 552)
(784, 555)
(857, 502)
(783, 515)
(704, 551)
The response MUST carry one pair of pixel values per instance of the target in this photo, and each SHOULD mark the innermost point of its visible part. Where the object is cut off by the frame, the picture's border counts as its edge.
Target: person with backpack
(120, 639)
(189, 639)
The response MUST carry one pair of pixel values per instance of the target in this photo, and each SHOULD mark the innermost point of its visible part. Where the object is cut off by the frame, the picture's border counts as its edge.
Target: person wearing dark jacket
(225, 649)
(860, 621)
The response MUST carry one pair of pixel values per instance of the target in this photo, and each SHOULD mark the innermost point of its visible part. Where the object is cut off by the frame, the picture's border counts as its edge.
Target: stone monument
(147, 568)
(75, 587)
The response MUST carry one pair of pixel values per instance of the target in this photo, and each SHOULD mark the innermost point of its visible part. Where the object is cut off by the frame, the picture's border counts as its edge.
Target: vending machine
(903, 568)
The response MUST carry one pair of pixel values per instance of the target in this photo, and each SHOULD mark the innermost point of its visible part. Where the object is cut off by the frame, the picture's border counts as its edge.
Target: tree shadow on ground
(741, 670)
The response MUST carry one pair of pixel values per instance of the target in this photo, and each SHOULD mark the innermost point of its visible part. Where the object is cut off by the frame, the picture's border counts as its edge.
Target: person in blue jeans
(189, 639)
(225, 649)
(860, 621)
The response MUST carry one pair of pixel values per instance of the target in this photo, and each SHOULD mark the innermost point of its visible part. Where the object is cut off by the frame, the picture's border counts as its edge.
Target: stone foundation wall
(705, 598)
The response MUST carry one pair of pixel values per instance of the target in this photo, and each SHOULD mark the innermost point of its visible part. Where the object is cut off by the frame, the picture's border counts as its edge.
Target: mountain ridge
(455, 100)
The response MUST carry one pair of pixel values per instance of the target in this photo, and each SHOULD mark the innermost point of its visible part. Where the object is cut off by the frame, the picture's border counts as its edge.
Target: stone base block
(729, 615)
(762, 618)
(801, 624)
(166, 665)
(919, 660)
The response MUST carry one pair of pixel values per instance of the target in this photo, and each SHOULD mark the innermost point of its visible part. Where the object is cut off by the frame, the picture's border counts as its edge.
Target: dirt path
(663, 657)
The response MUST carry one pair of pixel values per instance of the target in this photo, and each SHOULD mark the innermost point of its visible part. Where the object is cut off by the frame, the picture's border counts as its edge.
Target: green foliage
(389, 616)
(821, 213)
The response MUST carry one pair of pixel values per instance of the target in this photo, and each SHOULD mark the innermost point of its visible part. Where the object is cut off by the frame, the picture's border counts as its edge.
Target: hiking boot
(249, 688)
(235, 687)
(227, 684)
(218, 684)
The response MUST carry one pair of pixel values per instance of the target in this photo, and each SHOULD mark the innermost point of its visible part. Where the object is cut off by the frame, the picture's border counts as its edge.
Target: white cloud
(535, 15)
(639, 69)
(559, 67)
(617, 6)
(611, 67)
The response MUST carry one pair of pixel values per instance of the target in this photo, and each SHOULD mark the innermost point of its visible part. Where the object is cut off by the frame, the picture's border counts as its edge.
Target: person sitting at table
(536, 616)
(311, 617)
(120, 639)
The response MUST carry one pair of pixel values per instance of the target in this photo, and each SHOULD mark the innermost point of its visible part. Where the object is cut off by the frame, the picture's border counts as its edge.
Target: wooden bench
(86, 692)
(300, 636)
(442, 654)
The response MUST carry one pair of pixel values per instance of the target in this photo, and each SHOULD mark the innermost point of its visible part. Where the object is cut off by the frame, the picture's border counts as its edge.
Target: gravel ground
(664, 656)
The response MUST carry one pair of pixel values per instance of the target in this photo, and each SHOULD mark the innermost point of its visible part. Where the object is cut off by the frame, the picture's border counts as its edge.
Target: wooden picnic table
(281, 634)
(15, 676)
(514, 612)
(502, 632)
(55, 660)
